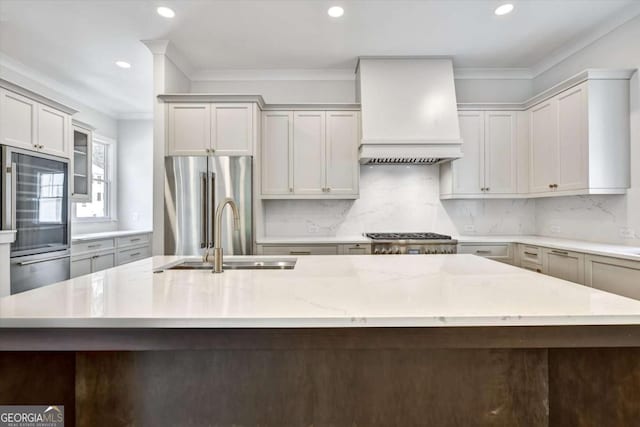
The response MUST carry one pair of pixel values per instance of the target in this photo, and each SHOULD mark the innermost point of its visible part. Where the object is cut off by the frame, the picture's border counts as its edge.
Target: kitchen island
(338, 340)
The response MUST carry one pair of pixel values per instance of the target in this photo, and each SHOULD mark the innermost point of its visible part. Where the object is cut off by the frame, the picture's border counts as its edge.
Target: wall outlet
(627, 233)
(470, 228)
(555, 228)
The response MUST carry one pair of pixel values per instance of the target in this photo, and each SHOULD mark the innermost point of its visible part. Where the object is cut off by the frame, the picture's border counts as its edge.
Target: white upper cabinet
(277, 149)
(32, 125)
(342, 153)
(468, 172)
(196, 129)
(573, 169)
(580, 140)
(17, 120)
(544, 147)
(310, 154)
(500, 152)
(53, 131)
(81, 163)
(489, 165)
(231, 129)
(189, 129)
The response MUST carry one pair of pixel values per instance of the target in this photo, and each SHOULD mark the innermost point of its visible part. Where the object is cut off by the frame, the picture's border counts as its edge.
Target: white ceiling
(77, 42)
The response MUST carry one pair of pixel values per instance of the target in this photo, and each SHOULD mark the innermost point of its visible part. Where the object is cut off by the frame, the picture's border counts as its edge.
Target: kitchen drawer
(125, 256)
(356, 249)
(530, 254)
(300, 250)
(138, 239)
(531, 266)
(497, 251)
(91, 246)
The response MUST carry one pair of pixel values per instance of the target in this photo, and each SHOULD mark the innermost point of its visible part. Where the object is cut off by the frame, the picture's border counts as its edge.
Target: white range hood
(409, 110)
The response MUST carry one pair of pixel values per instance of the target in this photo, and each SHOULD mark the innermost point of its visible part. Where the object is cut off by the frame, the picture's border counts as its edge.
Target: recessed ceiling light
(335, 11)
(165, 12)
(503, 9)
(123, 64)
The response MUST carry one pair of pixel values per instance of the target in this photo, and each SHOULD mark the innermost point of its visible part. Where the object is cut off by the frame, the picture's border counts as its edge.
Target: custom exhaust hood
(409, 110)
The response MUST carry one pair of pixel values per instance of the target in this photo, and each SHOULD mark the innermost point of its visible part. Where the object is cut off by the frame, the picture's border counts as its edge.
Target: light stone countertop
(594, 248)
(107, 235)
(322, 291)
(604, 249)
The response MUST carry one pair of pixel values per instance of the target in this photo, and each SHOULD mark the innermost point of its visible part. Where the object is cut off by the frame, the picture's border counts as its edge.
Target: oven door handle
(36, 261)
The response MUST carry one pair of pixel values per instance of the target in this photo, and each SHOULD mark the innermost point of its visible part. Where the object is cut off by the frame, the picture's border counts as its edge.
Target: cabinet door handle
(563, 253)
(328, 189)
(290, 189)
(550, 185)
(299, 253)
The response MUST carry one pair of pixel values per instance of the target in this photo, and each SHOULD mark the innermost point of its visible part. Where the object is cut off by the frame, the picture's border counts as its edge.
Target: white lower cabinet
(618, 276)
(565, 265)
(96, 255)
(502, 252)
(91, 263)
(315, 249)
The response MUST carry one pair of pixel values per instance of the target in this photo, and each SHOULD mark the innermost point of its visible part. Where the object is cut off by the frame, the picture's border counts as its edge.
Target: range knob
(376, 251)
(395, 250)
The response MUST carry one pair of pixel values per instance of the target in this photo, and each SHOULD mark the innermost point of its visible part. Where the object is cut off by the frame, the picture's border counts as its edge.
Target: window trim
(111, 186)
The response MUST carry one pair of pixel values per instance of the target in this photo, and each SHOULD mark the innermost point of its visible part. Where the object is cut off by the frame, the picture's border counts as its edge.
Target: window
(101, 185)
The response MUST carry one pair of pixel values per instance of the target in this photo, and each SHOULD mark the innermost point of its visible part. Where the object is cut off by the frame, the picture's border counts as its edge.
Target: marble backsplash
(397, 198)
(610, 219)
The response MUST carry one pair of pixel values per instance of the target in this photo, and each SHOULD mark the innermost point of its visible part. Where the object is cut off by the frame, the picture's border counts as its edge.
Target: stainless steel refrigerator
(193, 188)
(35, 201)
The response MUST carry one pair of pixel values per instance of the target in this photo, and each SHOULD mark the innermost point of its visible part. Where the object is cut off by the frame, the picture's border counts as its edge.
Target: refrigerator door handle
(212, 228)
(14, 186)
(203, 210)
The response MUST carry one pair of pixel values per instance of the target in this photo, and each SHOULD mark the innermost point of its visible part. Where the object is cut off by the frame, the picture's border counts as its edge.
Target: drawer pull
(563, 253)
(482, 252)
(134, 254)
(135, 240)
(299, 253)
(531, 253)
(93, 246)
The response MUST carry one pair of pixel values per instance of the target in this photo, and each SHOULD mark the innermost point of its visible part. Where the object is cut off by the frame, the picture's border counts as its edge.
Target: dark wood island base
(507, 376)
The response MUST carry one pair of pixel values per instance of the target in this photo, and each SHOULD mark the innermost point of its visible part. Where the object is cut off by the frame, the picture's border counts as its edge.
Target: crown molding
(272, 74)
(168, 49)
(54, 85)
(475, 73)
(589, 74)
(6, 84)
(609, 25)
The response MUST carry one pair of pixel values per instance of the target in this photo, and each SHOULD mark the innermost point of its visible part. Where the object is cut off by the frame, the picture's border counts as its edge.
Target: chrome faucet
(217, 231)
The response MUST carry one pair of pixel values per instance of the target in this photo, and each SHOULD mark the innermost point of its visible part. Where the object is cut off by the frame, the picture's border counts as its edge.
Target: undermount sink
(236, 264)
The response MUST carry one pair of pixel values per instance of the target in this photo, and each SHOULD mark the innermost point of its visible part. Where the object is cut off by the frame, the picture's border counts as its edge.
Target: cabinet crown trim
(212, 97)
(589, 74)
(5, 84)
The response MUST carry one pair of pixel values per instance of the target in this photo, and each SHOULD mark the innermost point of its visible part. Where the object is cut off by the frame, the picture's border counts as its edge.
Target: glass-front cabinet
(81, 165)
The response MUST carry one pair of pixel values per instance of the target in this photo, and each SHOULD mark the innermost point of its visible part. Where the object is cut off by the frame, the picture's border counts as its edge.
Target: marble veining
(596, 218)
(322, 291)
(397, 198)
